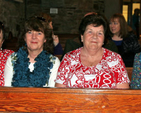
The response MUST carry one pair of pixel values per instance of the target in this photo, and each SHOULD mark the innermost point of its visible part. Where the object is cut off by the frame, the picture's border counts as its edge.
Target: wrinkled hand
(55, 40)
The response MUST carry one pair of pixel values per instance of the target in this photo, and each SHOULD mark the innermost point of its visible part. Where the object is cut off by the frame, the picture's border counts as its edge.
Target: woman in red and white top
(92, 66)
(4, 53)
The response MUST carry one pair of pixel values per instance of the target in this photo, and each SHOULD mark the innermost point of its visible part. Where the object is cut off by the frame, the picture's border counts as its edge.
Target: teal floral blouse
(136, 75)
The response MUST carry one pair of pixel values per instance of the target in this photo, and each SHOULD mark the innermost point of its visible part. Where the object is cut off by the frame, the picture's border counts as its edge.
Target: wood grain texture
(129, 71)
(69, 100)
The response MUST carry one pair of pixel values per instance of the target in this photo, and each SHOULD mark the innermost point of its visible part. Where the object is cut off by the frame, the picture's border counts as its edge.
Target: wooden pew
(69, 100)
(129, 71)
(64, 37)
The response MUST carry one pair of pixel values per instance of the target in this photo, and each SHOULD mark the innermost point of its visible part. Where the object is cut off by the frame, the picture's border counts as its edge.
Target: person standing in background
(57, 46)
(135, 21)
(126, 42)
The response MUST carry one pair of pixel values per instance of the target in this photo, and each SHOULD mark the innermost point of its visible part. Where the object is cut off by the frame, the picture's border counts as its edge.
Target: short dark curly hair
(96, 19)
(37, 24)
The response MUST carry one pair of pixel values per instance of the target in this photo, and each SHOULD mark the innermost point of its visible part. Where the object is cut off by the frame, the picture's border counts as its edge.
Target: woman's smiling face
(35, 40)
(93, 37)
(115, 26)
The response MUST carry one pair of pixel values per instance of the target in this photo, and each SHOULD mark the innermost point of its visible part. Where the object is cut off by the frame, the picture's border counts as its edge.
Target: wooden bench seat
(69, 100)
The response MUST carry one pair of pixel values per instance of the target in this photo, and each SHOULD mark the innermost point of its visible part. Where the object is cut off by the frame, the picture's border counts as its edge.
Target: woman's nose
(94, 35)
(34, 35)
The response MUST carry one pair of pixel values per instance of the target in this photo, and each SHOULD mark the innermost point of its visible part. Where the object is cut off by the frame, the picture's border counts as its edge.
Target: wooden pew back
(129, 71)
(69, 100)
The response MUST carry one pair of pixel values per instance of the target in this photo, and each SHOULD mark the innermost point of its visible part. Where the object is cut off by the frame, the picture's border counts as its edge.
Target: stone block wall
(66, 21)
(12, 15)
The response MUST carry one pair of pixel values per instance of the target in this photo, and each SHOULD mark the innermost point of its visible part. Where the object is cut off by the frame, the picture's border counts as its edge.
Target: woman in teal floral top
(33, 65)
(136, 75)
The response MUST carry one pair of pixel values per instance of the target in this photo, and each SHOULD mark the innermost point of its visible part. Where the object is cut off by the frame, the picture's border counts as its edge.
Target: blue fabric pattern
(39, 77)
(136, 75)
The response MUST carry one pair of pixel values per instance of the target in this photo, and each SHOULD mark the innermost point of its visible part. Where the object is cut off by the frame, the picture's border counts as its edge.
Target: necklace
(38, 77)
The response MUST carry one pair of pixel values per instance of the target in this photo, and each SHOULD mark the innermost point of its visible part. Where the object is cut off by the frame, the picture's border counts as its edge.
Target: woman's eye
(89, 32)
(29, 32)
(100, 33)
(39, 33)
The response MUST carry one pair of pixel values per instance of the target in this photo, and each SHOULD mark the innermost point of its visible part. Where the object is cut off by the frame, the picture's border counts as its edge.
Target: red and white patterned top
(106, 74)
(3, 58)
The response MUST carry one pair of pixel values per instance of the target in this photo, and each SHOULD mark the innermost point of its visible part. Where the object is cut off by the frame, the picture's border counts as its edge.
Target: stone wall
(12, 15)
(70, 12)
(66, 21)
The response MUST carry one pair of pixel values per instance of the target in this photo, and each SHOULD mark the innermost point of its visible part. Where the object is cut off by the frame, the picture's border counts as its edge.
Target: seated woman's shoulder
(109, 52)
(138, 54)
(74, 52)
(7, 52)
(53, 58)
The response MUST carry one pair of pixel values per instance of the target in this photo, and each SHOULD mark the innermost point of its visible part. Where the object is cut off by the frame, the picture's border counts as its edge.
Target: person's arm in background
(136, 75)
(58, 50)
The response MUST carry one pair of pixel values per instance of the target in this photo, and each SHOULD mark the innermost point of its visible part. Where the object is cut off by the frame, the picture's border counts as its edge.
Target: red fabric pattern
(106, 74)
(4, 54)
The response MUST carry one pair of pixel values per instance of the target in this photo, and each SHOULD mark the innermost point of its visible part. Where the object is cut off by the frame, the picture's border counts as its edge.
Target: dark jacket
(58, 49)
(129, 47)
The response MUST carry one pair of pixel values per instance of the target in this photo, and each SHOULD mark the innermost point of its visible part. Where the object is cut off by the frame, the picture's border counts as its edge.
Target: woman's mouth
(34, 42)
